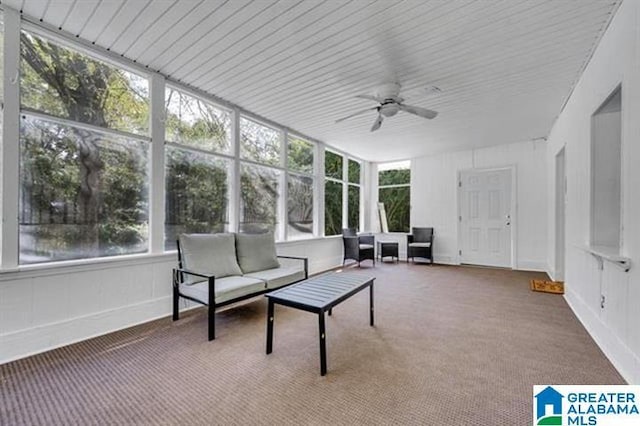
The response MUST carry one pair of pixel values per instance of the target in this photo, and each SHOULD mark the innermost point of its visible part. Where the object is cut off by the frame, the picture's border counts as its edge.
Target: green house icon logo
(549, 407)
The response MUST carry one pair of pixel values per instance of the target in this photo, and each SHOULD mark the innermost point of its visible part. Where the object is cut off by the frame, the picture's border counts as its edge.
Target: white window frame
(14, 23)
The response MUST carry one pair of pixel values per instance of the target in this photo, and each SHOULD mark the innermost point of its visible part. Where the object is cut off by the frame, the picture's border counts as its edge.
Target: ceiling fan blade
(421, 112)
(371, 98)
(356, 113)
(377, 123)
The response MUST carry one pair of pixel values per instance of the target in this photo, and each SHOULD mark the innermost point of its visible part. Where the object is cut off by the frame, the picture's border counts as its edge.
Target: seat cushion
(420, 245)
(365, 246)
(226, 288)
(210, 254)
(256, 252)
(277, 277)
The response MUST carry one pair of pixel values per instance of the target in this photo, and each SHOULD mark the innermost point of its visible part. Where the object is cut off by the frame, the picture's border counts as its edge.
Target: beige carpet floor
(451, 346)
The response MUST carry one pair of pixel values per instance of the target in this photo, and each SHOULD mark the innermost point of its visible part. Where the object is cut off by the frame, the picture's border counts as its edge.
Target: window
(299, 188)
(259, 192)
(65, 83)
(336, 168)
(197, 194)
(83, 187)
(196, 123)
(394, 190)
(332, 207)
(259, 143)
(299, 155)
(353, 198)
(606, 152)
(333, 171)
(196, 180)
(260, 186)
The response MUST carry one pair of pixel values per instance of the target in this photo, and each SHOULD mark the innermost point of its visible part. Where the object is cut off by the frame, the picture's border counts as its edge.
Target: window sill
(610, 254)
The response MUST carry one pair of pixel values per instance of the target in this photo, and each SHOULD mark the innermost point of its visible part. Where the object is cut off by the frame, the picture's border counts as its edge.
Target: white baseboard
(623, 359)
(531, 265)
(24, 343)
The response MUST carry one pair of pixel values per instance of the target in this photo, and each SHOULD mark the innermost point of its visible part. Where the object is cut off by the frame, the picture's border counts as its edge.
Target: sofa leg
(176, 296)
(212, 323)
(176, 300)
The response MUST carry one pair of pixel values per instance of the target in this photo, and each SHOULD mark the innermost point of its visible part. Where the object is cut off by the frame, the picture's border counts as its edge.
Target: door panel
(485, 218)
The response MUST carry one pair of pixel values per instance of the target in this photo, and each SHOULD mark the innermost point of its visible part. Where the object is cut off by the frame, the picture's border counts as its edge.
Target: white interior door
(485, 217)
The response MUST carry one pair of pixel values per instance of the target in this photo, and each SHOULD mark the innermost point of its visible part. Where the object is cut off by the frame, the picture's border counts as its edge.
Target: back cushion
(256, 252)
(211, 254)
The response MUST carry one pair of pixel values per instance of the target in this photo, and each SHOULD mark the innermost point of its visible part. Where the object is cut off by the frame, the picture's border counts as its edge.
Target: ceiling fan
(388, 96)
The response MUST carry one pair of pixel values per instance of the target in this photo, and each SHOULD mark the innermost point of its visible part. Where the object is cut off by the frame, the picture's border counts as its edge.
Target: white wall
(44, 308)
(434, 197)
(614, 327)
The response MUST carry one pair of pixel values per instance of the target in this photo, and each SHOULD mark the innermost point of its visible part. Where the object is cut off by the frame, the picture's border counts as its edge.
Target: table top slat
(322, 291)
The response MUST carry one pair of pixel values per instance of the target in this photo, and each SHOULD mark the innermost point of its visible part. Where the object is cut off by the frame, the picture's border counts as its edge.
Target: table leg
(330, 310)
(270, 320)
(323, 345)
(371, 304)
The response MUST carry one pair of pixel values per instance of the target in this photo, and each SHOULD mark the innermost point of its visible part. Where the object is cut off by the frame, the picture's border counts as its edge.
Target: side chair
(420, 244)
(358, 247)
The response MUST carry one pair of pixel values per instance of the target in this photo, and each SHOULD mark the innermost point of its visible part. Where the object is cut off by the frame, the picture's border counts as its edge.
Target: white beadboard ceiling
(505, 67)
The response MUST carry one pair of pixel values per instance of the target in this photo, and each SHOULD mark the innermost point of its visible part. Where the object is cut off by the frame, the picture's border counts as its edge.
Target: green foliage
(300, 205)
(332, 207)
(354, 172)
(192, 122)
(397, 205)
(259, 143)
(53, 216)
(83, 194)
(394, 177)
(333, 165)
(259, 189)
(300, 155)
(69, 84)
(196, 194)
(354, 207)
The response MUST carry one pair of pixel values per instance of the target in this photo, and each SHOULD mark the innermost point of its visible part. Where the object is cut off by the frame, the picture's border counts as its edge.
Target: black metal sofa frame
(178, 277)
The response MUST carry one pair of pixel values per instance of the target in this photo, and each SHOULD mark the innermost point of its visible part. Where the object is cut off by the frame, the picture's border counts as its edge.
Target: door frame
(514, 209)
(560, 216)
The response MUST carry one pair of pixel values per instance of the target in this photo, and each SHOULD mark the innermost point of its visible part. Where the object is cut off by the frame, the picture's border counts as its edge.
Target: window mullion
(283, 199)
(234, 195)
(318, 190)
(10, 139)
(345, 191)
(157, 172)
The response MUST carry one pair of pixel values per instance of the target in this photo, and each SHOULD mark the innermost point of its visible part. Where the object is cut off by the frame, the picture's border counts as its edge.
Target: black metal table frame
(321, 323)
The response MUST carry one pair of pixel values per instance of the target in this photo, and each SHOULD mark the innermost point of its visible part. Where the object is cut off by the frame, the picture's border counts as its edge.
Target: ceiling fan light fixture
(389, 110)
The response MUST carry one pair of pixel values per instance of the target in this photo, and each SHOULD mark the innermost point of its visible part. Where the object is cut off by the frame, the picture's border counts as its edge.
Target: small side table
(388, 248)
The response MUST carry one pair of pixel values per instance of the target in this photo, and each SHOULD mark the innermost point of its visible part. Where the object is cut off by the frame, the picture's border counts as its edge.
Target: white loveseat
(220, 269)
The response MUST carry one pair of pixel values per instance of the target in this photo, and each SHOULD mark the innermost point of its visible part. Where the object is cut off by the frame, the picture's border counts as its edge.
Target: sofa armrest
(178, 277)
(305, 261)
(409, 238)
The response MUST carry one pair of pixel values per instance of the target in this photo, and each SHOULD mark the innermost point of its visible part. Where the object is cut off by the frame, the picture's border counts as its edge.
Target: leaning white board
(382, 215)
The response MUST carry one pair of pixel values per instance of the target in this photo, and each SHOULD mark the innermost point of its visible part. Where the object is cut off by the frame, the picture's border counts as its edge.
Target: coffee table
(319, 295)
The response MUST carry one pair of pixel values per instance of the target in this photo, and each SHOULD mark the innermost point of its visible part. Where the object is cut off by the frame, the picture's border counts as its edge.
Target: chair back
(349, 232)
(422, 235)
